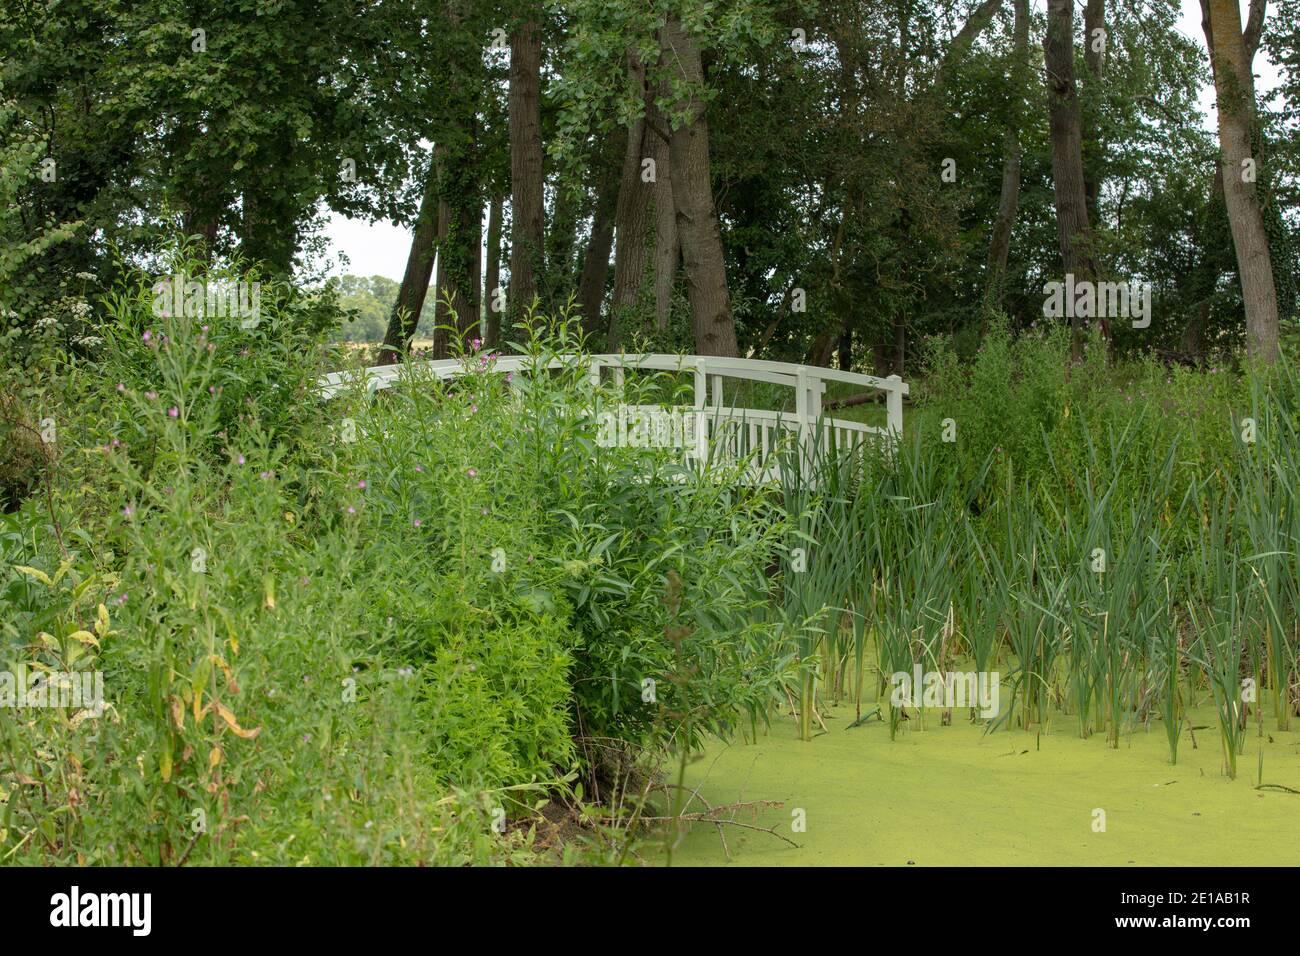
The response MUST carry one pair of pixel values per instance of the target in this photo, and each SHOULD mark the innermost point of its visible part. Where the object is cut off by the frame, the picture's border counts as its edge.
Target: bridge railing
(718, 432)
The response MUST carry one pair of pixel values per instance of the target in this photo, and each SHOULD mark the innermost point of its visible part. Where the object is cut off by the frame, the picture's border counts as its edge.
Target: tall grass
(1137, 560)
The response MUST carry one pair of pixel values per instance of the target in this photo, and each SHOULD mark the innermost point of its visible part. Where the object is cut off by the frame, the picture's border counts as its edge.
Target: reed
(1107, 591)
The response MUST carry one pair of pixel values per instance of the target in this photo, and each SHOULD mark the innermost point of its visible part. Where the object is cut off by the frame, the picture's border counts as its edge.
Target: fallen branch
(707, 816)
(862, 398)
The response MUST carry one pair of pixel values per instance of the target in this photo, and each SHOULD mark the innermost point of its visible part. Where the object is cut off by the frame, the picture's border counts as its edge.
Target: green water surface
(953, 796)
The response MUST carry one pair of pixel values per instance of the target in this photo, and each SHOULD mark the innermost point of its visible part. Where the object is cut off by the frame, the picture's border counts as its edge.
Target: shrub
(319, 649)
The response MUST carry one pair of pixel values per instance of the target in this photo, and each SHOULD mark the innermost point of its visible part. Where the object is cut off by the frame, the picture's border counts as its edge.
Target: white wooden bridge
(710, 430)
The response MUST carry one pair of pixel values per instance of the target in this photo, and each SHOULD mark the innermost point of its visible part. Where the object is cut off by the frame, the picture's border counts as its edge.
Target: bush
(352, 631)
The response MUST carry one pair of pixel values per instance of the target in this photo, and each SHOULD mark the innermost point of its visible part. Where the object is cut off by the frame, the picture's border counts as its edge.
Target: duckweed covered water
(953, 796)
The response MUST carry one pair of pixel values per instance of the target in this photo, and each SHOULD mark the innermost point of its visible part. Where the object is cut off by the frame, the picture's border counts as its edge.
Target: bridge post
(894, 405)
(801, 395)
(701, 420)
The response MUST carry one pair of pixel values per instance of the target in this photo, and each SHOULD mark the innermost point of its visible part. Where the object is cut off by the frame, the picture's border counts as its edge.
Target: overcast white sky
(380, 248)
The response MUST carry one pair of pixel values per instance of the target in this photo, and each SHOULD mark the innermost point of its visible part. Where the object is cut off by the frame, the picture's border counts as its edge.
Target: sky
(380, 248)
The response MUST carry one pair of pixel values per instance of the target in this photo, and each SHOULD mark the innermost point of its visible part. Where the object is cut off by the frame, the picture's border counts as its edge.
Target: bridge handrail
(809, 382)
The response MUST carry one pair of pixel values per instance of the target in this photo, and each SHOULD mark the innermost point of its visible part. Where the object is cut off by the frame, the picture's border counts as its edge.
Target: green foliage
(23, 241)
(354, 631)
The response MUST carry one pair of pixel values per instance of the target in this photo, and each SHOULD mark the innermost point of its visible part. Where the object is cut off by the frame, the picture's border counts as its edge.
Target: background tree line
(821, 182)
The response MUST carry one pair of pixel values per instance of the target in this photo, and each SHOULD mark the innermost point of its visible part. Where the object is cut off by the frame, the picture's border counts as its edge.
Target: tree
(1095, 38)
(595, 260)
(1074, 230)
(492, 272)
(430, 230)
(1234, 89)
(1009, 199)
(527, 239)
(452, 109)
(692, 197)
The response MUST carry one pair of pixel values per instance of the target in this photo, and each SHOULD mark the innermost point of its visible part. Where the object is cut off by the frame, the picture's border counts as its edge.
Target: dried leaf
(228, 716)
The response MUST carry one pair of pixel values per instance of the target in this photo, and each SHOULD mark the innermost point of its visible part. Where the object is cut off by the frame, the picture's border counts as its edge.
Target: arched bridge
(715, 427)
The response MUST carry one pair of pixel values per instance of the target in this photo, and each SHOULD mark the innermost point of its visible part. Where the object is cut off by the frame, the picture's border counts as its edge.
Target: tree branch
(969, 32)
(1254, 28)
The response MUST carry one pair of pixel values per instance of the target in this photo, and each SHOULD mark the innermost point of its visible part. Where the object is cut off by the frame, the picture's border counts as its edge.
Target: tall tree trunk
(1073, 229)
(1094, 57)
(430, 227)
(900, 342)
(882, 362)
(1009, 202)
(492, 272)
(668, 246)
(561, 240)
(631, 218)
(527, 246)
(846, 347)
(1193, 337)
(201, 203)
(595, 268)
(1234, 90)
(460, 256)
(823, 345)
(441, 347)
(595, 261)
(697, 223)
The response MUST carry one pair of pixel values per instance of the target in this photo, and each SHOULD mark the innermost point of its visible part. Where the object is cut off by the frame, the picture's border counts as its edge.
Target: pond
(953, 796)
